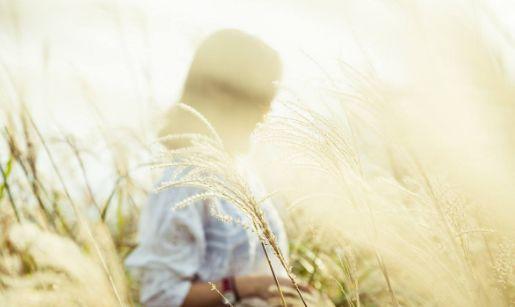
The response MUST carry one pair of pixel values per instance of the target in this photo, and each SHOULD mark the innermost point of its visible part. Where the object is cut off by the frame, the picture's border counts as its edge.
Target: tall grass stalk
(215, 172)
(332, 151)
(80, 217)
(7, 188)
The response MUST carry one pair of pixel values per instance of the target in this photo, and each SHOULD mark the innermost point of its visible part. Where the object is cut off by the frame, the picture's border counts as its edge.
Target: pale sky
(130, 56)
(125, 60)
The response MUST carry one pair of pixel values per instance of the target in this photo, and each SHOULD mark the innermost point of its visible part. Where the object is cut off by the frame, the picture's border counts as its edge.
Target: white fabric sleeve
(171, 251)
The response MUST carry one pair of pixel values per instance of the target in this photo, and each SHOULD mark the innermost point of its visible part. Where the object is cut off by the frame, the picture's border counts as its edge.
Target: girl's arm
(257, 286)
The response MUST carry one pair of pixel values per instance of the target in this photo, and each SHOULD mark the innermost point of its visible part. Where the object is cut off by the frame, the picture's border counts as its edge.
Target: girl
(230, 82)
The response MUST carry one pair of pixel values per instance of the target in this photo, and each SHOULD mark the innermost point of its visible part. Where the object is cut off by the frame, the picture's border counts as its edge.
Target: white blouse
(178, 246)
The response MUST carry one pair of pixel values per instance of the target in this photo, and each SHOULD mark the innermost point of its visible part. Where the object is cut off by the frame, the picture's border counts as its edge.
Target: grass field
(396, 169)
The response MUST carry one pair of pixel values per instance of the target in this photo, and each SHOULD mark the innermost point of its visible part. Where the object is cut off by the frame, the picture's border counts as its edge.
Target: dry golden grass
(398, 194)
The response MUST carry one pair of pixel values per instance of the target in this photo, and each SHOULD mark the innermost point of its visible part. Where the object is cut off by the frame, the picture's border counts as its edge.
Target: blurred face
(231, 82)
(235, 120)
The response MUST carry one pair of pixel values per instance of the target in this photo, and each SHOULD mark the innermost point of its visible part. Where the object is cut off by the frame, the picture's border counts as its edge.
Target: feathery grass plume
(40, 268)
(215, 171)
(418, 195)
(324, 144)
(456, 122)
(424, 231)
